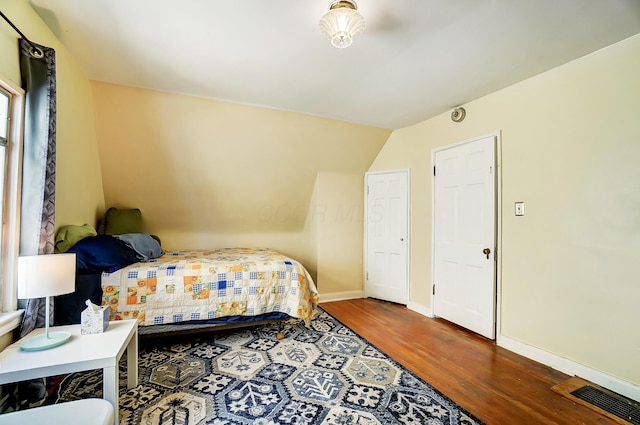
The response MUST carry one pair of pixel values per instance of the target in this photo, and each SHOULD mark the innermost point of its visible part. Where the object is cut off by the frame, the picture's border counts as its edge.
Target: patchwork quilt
(191, 285)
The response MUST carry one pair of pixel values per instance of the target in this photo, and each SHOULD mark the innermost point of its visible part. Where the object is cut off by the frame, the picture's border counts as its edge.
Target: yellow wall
(571, 152)
(79, 196)
(338, 214)
(210, 174)
(310, 250)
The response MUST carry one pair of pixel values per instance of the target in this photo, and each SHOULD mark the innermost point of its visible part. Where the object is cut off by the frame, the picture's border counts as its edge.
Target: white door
(465, 235)
(387, 231)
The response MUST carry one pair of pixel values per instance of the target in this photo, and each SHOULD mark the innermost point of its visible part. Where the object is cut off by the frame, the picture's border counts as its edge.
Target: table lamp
(44, 276)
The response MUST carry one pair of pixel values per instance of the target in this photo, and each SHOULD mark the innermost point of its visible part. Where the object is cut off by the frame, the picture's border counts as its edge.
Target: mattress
(189, 285)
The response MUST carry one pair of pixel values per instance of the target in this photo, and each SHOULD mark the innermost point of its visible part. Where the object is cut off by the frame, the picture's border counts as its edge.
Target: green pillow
(117, 221)
(68, 236)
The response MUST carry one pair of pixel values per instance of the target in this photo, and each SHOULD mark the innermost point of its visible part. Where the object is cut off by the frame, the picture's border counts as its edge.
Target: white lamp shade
(341, 25)
(46, 275)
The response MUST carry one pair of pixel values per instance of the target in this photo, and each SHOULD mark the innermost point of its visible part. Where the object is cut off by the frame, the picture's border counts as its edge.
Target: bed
(187, 290)
(200, 287)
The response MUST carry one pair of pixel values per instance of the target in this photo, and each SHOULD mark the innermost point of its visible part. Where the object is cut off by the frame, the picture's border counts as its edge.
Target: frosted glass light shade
(342, 23)
(46, 275)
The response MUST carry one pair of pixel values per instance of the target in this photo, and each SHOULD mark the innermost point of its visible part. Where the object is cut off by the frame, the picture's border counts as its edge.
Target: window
(11, 113)
(5, 102)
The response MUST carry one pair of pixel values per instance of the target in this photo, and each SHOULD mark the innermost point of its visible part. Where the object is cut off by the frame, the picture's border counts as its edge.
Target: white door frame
(365, 264)
(498, 252)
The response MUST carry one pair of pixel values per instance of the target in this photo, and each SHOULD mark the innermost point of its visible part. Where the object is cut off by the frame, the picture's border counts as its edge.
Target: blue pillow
(102, 253)
(145, 245)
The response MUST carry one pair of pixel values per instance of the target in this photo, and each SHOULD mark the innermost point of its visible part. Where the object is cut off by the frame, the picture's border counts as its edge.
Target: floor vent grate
(616, 404)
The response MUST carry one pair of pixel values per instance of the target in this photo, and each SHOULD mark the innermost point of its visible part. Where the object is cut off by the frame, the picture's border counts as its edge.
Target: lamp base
(41, 342)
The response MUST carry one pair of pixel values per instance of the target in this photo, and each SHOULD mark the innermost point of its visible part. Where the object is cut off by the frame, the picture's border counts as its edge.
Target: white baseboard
(341, 296)
(571, 368)
(425, 311)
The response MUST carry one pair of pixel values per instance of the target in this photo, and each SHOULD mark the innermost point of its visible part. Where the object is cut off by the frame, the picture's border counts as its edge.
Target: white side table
(82, 352)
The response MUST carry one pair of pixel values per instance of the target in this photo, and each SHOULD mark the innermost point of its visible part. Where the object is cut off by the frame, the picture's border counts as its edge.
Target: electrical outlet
(519, 208)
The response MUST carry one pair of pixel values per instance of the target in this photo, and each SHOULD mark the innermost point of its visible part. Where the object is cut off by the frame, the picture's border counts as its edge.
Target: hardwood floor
(496, 385)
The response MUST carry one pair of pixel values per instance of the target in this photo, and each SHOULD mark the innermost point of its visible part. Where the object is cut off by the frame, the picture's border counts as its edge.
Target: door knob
(486, 252)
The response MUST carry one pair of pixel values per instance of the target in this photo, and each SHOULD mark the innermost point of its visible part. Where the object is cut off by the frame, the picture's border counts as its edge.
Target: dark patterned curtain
(37, 220)
(37, 215)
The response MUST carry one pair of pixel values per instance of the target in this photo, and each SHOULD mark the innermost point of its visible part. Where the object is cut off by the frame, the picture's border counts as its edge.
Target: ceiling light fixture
(342, 23)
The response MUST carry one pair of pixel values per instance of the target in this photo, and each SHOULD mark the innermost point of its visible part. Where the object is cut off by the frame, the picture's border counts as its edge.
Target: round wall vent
(458, 114)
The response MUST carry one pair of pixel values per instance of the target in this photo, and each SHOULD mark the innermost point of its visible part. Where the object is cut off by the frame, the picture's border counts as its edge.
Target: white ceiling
(416, 58)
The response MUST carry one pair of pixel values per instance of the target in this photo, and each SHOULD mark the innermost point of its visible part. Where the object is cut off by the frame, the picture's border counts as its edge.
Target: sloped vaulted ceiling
(416, 58)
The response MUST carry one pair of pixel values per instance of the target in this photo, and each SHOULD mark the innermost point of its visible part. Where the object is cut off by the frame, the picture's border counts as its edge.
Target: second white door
(387, 232)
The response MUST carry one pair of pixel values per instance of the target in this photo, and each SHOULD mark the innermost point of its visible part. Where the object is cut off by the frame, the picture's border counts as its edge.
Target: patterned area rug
(324, 374)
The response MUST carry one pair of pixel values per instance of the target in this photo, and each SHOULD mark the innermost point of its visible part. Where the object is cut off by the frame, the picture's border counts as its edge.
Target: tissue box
(94, 321)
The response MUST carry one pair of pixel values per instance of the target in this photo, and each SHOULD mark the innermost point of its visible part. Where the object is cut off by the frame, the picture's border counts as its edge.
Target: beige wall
(571, 151)
(310, 250)
(79, 196)
(210, 174)
(338, 213)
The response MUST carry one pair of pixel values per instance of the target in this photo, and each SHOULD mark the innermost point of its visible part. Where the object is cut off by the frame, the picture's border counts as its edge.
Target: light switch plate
(519, 208)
